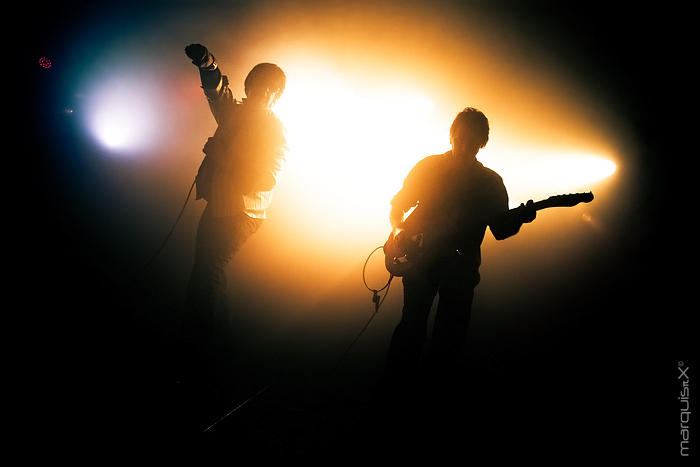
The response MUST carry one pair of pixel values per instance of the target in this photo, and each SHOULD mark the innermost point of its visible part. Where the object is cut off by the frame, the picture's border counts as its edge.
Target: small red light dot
(45, 63)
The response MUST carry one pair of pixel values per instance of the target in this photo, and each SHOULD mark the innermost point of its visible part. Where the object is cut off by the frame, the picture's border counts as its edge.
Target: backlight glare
(123, 115)
(531, 173)
(352, 143)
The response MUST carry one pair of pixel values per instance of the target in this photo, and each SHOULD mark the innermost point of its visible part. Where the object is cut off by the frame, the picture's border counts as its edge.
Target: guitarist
(456, 198)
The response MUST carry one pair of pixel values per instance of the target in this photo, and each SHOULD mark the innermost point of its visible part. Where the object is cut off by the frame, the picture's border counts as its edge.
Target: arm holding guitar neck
(508, 223)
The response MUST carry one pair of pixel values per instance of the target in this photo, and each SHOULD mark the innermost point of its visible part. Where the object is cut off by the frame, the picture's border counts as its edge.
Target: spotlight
(122, 114)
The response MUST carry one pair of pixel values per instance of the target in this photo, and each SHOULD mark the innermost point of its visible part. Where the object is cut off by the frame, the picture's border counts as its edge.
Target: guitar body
(402, 251)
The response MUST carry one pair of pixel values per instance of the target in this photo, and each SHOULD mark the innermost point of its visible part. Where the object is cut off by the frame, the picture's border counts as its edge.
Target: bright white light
(351, 145)
(122, 114)
(538, 173)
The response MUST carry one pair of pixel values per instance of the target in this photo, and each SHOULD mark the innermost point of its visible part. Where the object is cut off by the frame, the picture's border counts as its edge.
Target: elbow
(501, 233)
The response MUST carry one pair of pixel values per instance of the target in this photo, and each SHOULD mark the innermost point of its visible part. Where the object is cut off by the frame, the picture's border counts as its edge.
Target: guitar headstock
(569, 200)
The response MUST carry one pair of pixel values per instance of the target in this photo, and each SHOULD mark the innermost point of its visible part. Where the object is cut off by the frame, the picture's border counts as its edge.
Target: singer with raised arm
(237, 177)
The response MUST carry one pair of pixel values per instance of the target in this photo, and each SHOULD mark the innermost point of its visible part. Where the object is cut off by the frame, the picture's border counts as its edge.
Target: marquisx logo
(684, 398)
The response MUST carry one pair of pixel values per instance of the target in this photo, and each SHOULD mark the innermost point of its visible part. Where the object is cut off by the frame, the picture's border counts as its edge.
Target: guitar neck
(563, 200)
(543, 204)
(414, 222)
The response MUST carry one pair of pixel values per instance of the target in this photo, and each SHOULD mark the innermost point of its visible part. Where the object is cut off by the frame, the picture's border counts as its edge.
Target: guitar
(403, 251)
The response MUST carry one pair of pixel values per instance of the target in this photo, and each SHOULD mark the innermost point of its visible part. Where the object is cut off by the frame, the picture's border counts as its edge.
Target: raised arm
(214, 84)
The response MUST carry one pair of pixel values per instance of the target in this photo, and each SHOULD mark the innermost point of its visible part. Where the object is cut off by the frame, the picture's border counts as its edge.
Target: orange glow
(537, 173)
(370, 92)
(351, 144)
(353, 140)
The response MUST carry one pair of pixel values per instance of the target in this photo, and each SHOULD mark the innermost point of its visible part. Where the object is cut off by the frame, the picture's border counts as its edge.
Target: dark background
(94, 351)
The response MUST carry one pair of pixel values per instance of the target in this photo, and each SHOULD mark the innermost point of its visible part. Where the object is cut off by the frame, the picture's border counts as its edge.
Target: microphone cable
(172, 229)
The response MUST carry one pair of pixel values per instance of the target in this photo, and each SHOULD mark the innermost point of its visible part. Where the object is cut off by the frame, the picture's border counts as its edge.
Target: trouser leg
(204, 351)
(450, 328)
(218, 239)
(452, 318)
(410, 334)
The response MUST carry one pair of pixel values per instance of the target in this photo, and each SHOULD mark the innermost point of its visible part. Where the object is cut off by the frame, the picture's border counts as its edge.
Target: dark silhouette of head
(469, 132)
(265, 84)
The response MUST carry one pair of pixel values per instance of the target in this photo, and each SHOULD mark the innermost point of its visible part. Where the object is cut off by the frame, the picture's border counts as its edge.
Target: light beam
(123, 114)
